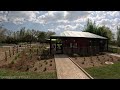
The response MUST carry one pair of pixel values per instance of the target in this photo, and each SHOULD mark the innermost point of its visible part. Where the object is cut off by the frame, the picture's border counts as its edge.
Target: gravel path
(66, 69)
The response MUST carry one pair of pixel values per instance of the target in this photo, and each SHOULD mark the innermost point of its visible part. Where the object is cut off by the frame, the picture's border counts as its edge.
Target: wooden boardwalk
(66, 69)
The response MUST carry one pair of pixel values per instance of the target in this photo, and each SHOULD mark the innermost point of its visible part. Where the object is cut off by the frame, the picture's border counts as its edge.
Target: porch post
(50, 45)
(107, 44)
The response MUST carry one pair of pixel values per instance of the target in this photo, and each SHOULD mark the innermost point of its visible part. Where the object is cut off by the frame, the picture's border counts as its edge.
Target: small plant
(40, 65)
(12, 62)
(16, 56)
(101, 63)
(45, 61)
(97, 57)
(91, 58)
(38, 58)
(50, 64)
(35, 69)
(30, 56)
(75, 55)
(27, 68)
(84, 58)
(118, 59)
(82, 62)
(75, 58)
(44, 69)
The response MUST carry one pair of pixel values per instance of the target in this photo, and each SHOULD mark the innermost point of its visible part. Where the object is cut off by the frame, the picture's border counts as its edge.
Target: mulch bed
(95, 61)
(27, 64)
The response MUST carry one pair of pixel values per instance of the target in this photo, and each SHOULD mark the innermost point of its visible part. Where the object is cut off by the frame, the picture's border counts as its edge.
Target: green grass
(105, 72)
(114, 49)
(10, 74)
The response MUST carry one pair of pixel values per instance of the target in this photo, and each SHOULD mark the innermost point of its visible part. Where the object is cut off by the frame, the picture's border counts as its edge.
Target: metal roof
(79, 34)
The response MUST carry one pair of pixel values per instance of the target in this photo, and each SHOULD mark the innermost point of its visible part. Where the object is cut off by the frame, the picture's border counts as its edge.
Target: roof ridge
(71, 33)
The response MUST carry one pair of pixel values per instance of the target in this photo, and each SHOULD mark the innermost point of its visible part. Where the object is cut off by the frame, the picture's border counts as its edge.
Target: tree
(99, 30)
(105, 32)
(41, 36)
(22, 34)
(2, 33)
(49, 33)
(90, 27)
(118, 36)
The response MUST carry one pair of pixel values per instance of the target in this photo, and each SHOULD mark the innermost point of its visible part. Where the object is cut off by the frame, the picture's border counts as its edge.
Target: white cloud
(51, 30)
(73, 15)
(52, 16)
(3, 18)
(62, 20)
(18, 17)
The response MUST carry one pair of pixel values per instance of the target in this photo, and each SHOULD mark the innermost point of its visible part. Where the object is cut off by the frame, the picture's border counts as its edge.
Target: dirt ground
(95, 61)
(27, 62)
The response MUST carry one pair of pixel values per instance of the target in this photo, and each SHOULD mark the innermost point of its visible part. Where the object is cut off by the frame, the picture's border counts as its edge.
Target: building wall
(82, 46)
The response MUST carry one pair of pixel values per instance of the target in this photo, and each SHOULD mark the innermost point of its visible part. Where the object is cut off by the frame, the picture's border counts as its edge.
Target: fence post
(30, 54)
(13, 50)
(30, 50)
(37, 51)
(9, 53)
(17, 49)
(5, 56)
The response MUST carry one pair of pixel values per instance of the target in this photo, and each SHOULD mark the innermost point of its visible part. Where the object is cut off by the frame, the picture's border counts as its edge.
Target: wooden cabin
(83, 43)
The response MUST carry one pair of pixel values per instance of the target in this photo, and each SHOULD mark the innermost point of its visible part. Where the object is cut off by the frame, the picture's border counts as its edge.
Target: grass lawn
(10, 74)
(105, 72)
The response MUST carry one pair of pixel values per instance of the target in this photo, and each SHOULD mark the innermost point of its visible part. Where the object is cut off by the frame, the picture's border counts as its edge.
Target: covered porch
(77, 45)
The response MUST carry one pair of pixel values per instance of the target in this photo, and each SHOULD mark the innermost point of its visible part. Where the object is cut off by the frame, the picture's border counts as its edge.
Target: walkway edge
(55, 67)
(81, 69)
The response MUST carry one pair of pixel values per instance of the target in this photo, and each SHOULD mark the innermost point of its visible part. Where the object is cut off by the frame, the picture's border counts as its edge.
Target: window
(70, 45)
(75, 45)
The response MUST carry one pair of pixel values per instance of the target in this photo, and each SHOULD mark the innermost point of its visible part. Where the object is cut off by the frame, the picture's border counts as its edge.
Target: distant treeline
(23, 35)
(103, 31)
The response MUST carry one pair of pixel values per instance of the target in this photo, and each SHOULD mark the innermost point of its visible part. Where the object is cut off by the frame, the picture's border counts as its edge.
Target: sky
(58, 21)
